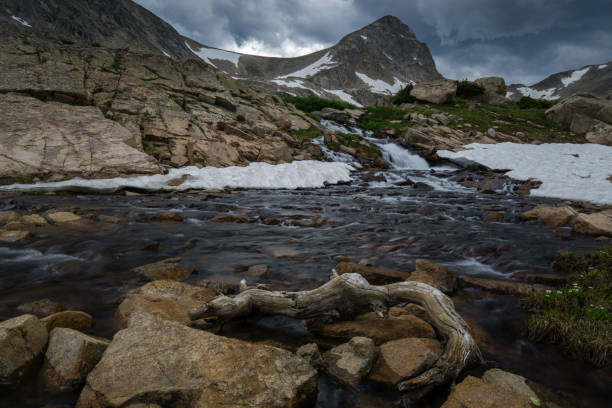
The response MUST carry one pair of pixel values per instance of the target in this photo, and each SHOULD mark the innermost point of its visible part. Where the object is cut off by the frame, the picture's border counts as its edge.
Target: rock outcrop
(154, 361)
(72, 110)
(437, 92)
(583, 114)
(22, 342)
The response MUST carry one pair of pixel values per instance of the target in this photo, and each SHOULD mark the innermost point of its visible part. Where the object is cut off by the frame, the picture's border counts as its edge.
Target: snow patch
(208, 54)
(294, 83)
(535, 94)
(379, 86)
(387, 55)
(602, 66)
(365, 38)
(575, 76)
(323, 63)
(298, 174)
(21, 21)
(344, 96)
(567, 171)
(166, 54)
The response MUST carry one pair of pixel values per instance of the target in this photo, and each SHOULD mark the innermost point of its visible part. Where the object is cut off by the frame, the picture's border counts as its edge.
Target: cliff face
(376, 60)
(71, 107)
(592, 79)
(114, 24)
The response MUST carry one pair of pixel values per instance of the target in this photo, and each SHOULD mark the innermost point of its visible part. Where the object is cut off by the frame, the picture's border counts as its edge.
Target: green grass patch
(314, 103)
(309, 133)
(383, 117)
(578, 316)
(403, 96)
(529, 103)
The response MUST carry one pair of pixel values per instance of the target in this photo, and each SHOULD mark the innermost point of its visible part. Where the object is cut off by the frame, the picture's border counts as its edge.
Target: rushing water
(86, 267)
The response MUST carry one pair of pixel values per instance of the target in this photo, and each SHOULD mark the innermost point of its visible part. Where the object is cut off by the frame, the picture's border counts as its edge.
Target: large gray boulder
(493, 84)
(50, 139)
(441, 91)
(22, 342)
(578, 109)
(71, 355)
(157, 361)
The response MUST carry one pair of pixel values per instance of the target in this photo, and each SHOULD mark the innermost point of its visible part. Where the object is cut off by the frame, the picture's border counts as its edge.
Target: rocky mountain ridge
(116, 24)
(379, 59)
(592, 79)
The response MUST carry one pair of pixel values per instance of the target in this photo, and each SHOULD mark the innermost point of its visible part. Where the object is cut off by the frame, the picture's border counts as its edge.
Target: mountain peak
(388, 25)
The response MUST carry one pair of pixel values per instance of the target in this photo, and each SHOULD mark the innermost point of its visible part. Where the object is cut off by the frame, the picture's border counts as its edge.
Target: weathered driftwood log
(351, 294)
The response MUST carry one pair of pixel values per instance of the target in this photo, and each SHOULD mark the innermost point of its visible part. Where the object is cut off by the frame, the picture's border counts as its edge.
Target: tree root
(350, 294)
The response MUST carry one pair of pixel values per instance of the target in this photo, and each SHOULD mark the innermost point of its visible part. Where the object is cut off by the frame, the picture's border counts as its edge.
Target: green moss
(309, 133)
(403, 96)
(314, 103)
(383, 117)
(578, 316)
(240, 118)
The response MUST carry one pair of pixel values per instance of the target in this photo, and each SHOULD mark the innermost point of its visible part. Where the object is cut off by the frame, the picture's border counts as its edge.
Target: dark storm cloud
(522, 40)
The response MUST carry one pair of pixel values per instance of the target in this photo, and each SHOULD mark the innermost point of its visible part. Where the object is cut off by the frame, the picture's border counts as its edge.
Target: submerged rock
(350, 362)
(156, 361)
(41, 308)
(381, 330)
(22, 342)
(71, 355)
(63, 216)
(434, 275)
(11, 236)
(69, 319)
(167, 269)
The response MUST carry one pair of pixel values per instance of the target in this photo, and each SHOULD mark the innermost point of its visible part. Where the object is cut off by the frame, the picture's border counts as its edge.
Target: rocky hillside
(116, 24)
(592, 79)
(70, 109)
(379, 59)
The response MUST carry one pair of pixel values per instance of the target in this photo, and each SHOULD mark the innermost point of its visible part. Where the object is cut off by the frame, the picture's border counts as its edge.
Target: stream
(370, 220)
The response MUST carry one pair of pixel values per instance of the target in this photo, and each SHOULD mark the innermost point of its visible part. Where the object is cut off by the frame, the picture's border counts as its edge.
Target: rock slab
(156, 361)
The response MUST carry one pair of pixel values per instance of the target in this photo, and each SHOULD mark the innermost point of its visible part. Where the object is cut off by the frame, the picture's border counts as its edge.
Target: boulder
(12, 236)
(571, 109)
(381, 330)
(405, 358)
(49, 139)
(350, 362)
(346, 117)
(41, 308)
(71, 355)
(33, 219)
(167, 269)
(22, 342)
(503, 287)
(310, 352)
(600, 133)
(473, 392)
(555, 216)
(70, 319)
(437, 92)
(166, 299)
(513, 383)
(434, 275)
(599, 223)
(375, 276)
(63, 216)
(157, 361)
(8, 216)
(495, 85)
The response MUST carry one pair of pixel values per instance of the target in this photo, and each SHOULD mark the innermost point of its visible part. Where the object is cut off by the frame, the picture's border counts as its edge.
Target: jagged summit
(378, 59)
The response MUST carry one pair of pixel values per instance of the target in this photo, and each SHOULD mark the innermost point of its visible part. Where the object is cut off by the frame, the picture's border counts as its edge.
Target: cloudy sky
(521, 40)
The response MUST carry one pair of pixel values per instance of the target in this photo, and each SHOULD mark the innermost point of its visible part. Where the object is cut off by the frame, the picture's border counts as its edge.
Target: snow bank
(535, 94)
(325, 62)
(344, 96)
(575, 76)
(299, 174)
(208, 54)
(21, 21)
(567, 171)
(379, 86)
(365, 38)
(602, 66)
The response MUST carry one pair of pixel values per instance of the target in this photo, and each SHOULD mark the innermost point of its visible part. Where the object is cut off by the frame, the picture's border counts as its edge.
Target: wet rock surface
(155, 359)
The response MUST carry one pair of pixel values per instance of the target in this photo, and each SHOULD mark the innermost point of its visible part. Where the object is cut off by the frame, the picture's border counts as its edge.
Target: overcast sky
(522, 40)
